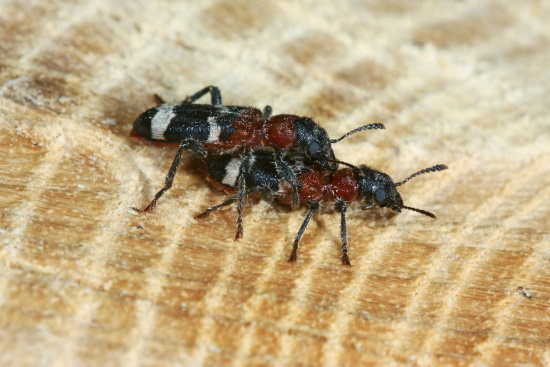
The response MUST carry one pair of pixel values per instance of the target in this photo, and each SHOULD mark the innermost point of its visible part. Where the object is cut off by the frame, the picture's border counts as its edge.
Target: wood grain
(84, 280)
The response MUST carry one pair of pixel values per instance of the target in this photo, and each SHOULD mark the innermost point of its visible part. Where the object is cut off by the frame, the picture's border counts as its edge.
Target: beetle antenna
(344, 163)
(366, 127)
(439, 167)
(431, 215)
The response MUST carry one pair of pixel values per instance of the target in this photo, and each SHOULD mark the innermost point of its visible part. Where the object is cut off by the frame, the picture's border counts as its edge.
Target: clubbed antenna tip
(438, 167)
(366, 127)
(425, 212)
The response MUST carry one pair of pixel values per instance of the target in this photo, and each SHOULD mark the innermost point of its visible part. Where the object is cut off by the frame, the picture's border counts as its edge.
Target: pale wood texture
(86, 281)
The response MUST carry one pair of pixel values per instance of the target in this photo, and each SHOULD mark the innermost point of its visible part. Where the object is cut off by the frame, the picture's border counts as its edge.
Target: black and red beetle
(216, 129)
(316, 185)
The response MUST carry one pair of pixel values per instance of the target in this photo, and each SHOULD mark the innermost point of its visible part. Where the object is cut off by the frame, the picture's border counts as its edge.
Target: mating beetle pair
(286, 157)
(215, 129)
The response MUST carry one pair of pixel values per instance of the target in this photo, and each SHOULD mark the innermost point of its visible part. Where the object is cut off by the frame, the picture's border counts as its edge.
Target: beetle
(216, 128)
(317, 185)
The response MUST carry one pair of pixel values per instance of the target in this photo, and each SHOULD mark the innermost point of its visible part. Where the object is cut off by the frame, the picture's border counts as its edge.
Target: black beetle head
(377, 188)
(313, 142)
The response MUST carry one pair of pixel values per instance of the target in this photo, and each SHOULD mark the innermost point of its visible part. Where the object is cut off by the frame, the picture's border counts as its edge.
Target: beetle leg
(215, 95)
(313, 207)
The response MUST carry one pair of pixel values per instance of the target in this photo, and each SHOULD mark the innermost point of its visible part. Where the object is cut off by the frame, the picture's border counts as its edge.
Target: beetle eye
(313, 149)
(380, 195)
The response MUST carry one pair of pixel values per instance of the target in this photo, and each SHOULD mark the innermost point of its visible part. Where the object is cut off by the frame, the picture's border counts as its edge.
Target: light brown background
(86, 281)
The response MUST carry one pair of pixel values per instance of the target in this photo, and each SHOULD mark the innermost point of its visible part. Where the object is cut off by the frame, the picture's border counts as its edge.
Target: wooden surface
(86, 281)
